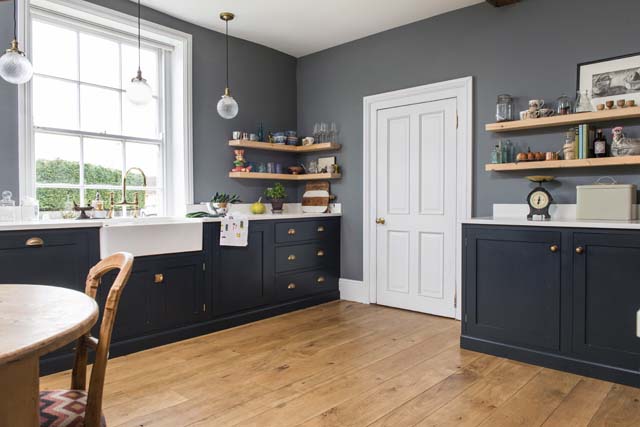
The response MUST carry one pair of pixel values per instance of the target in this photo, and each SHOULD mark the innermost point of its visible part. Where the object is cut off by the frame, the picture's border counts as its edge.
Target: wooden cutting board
(316, 197)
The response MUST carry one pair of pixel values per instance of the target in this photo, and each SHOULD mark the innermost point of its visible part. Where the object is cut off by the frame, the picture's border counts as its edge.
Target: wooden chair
(77, 407)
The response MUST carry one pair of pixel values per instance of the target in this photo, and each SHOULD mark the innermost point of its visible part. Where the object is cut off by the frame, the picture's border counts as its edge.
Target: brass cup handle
(291, 231)
(291, 258)
(320, 253)
(158, 278)
(320, 228)
(320, 280)
(579, 250)
(554, 248)
(34, 242)
(380, 221)
(291, 286)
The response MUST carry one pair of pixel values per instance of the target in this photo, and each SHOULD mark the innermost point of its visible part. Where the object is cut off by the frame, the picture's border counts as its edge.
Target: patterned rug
(63, 408)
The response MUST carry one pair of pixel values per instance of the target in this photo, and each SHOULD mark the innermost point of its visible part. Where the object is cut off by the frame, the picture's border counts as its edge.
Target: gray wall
(262, 81)
(529, 50)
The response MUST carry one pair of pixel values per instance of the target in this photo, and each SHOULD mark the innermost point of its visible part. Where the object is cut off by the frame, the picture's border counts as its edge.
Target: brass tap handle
(291, 258)
(579, 250)
(291, 286)
(291, 232)
(34, 242)
(320, 280)
(320, 253)
(553, 248)
(320, 228)
(158, 278)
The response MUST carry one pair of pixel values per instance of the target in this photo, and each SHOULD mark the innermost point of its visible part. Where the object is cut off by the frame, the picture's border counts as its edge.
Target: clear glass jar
(583, 102)
(504, 108)
(8, 211)
(30, 209)
(564, 106)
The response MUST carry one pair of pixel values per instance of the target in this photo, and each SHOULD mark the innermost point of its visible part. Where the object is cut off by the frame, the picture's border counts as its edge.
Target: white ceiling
(301, 27)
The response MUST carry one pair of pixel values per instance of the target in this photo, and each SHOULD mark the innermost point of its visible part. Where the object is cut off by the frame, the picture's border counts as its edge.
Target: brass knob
(380, 221)
(158, 278)
(291, 231)
(291, 286)
(34, 242)
(320, 228)
(320, 279)
(320, 253)
(579, 250)
(291, 257)
(553, 248)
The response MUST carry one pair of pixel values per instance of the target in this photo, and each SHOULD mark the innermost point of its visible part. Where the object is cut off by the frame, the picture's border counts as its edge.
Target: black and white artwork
(611, 79)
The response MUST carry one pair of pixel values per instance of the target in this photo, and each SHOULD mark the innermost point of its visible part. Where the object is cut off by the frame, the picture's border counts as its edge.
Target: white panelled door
(416, 207)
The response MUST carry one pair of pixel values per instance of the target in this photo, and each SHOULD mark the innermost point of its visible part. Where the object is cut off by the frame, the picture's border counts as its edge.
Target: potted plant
(220, 202)
(276, 196)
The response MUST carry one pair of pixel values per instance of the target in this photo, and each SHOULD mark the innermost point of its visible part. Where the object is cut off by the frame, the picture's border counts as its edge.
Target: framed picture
(611, 79)
(325, 162)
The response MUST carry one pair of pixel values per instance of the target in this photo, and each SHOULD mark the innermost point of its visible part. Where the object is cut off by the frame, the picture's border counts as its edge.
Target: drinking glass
(333, 132)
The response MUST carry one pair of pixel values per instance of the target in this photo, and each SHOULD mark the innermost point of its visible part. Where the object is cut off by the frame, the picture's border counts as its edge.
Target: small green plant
(276, 192)
(225, 198)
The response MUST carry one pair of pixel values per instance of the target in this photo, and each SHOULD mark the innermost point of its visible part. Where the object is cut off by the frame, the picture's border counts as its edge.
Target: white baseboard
(354, 290)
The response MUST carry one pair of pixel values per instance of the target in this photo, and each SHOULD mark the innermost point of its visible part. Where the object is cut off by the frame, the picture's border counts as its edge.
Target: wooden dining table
(35, 320)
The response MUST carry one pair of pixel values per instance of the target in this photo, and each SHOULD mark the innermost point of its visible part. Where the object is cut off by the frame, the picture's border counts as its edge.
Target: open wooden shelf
(569, 119)
(322, 146)
(562, 164)
(284, 176)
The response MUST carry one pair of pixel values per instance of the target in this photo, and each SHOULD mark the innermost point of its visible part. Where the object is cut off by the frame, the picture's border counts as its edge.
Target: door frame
(462, 90)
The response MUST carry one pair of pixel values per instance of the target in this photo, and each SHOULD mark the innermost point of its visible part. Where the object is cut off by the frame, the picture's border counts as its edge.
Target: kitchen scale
(539, 199)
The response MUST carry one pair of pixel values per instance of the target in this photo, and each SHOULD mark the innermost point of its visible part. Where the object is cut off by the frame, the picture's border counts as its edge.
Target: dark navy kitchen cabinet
(181, 283)
(606, 298)
(49, 257)
(513, 278)
(563, 298)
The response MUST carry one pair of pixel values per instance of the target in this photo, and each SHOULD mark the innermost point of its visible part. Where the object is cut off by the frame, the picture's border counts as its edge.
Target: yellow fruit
(258, 208)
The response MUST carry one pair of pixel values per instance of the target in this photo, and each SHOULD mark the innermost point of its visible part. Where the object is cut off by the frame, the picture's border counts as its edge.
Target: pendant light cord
(139, 36)
(227, 43)
(15, 19)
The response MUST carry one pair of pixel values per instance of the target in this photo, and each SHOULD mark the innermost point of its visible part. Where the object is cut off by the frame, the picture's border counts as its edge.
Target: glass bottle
(496, 155)
(583, 102)
(504, 108)
(600, 144)
(564, 106)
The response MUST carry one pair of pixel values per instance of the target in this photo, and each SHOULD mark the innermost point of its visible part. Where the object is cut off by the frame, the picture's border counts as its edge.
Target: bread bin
(606, 201)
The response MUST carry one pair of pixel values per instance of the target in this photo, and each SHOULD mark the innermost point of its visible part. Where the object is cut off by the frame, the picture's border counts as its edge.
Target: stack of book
(585, 134)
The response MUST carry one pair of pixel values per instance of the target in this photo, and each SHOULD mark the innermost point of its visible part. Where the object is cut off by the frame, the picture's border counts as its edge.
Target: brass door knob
(320, 228)
(34, 242)
(553, 248)
(291, 257)
(320, 253)
(320, 279)
(158, 278)
(380, 221)
(579, 250)
(291, 286)
(291, 231)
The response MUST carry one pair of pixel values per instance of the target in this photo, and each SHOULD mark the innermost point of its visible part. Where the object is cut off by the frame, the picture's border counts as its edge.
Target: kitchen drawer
(299, 231)
(309, 255)
(40, 238)
(298, 285)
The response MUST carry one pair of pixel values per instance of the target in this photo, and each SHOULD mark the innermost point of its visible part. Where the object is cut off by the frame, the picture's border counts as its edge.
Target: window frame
(176, 121)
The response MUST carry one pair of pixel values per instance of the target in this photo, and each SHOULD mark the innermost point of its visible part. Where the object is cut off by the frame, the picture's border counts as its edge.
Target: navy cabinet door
(606, 297)
(64, 259)
(245, 275)
(182, 289)
(512, 286)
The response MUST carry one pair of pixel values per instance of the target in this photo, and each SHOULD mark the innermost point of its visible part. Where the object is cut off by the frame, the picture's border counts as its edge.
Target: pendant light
(15, 67)
(227, 106)
(138, 91)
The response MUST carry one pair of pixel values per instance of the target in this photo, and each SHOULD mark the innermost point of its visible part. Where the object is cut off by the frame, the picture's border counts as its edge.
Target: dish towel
(234, 230)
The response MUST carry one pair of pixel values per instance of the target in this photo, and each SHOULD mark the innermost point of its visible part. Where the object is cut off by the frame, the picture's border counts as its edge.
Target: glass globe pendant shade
(139, 92)
(15, 67)
(227, 106)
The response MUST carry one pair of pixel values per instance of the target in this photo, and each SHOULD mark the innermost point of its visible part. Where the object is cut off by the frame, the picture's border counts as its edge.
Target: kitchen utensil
(316, 197)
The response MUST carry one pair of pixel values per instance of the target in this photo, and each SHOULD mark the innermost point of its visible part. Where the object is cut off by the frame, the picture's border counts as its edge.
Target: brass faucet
(124, 203)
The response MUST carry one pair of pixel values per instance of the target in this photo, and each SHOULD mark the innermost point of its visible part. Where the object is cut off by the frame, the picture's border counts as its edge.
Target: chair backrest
(119, 261)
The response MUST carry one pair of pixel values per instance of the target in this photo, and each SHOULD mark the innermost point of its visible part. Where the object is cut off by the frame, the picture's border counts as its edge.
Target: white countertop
(572, 223)
(98, 223)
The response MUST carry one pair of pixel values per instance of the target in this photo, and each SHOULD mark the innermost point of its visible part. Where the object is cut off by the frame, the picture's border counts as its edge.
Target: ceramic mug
(237, 134)
(546, 112)
(308, 141)
(253, 137)
(536, 103)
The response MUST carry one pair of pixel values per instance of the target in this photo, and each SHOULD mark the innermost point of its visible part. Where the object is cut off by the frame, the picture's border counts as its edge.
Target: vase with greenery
(220, 202)
(276, 196)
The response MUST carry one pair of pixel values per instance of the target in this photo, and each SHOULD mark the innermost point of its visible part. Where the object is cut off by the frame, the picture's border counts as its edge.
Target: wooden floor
(349, 364)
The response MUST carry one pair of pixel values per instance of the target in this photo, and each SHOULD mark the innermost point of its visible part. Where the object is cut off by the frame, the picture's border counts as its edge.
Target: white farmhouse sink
(150, 236)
